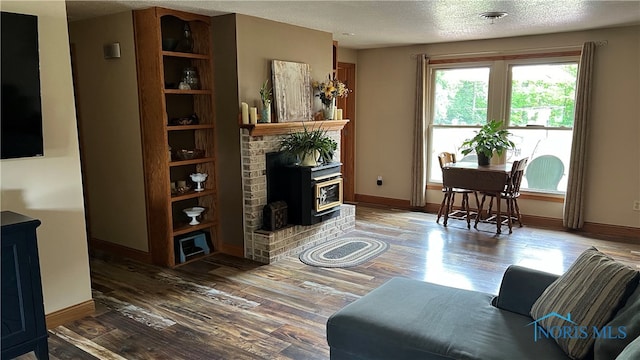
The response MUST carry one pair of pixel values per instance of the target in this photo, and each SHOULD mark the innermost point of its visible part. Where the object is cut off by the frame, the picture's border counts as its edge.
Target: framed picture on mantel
(292, 91)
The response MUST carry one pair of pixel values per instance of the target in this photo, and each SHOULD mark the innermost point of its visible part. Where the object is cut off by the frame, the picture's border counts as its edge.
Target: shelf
(192, 161)
(291, 127)
(185, 55)
(196, 259)
(189, 127)
(191, 194)
(186, 228)
(187, 92)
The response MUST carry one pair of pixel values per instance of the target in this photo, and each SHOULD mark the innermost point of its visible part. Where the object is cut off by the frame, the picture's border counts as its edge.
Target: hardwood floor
(228, 308)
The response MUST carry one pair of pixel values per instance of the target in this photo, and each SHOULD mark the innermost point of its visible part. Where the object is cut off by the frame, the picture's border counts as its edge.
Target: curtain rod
(497, 52)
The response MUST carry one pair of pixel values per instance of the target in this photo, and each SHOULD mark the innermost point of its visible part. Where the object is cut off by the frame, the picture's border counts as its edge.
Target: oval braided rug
(343, 252)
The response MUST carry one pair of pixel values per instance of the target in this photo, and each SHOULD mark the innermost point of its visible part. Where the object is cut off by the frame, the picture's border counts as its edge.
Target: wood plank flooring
(228, 308)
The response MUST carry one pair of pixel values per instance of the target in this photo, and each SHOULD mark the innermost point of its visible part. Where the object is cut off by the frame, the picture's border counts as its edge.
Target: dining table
(482, 178)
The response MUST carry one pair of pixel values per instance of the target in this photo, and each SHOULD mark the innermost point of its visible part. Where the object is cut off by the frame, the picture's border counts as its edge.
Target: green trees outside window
(461, 96)
(543, 95)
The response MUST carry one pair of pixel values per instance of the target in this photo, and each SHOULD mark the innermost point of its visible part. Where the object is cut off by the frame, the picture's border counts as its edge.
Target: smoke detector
(493, 15)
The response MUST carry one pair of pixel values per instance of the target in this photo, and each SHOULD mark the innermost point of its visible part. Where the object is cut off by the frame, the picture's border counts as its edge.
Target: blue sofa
(411, 319)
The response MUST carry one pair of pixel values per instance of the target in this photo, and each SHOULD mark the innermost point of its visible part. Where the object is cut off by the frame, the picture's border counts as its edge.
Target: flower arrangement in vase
(265, 96)
(328, 92)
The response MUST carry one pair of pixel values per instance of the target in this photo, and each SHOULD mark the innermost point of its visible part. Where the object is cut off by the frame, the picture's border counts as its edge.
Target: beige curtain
(573, 217)
(419, 167)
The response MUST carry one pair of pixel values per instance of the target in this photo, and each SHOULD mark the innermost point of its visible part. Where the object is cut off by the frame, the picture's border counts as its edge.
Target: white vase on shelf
(328, 110)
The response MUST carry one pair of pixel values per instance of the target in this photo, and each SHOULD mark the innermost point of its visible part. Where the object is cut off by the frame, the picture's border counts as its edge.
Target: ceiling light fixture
(493, 15)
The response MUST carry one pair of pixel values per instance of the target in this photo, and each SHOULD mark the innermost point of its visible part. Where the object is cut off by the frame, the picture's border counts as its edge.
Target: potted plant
(265, 96)
(309, 146)
(491, 137)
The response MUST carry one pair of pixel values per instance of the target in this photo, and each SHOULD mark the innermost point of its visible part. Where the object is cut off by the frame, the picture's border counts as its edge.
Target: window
(461, 96)
(535, 97)
(460, 105)
(541, 114)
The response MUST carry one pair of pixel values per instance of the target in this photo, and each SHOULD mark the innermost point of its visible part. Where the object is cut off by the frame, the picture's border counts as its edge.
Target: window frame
(499, 94)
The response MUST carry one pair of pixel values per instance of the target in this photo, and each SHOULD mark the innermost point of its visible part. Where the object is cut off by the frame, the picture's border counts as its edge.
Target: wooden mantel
(291, 127)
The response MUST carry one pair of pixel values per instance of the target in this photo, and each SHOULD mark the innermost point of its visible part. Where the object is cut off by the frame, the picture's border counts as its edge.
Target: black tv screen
(21, 107)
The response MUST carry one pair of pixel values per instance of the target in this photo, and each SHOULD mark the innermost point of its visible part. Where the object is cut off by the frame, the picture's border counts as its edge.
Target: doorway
(347, 73)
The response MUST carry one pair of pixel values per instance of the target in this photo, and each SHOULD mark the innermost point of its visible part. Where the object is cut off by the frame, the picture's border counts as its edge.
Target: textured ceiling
(392, 23)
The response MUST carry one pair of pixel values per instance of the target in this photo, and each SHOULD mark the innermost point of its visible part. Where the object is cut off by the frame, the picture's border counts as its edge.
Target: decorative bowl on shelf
(185, 154)
(180, 190)
(199, 178)
(169, 44)
(193, 213)
(186, 120)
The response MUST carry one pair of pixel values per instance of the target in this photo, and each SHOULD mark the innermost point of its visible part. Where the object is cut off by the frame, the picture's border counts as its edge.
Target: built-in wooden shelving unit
(159, 73)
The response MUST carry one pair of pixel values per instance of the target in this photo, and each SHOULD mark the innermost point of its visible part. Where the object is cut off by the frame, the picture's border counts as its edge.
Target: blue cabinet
(22, 311)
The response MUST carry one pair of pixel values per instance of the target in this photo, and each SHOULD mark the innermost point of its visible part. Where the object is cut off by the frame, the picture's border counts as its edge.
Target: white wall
(385, 107)
(347, 55)
(50, 188)
(110, 121)
(260, 41)
(257, 42)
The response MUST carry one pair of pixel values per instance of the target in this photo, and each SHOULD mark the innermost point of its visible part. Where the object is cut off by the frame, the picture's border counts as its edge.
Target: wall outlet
(636, 205)
(379, 181)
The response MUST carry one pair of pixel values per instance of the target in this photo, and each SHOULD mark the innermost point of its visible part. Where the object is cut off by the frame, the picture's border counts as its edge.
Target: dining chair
(510, 193)
(544, 172)
(470, 158)
(447, 204)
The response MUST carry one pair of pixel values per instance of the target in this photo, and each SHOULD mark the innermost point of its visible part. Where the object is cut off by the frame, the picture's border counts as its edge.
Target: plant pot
(310, 159)
(483, 159)
(266, 114)
(498, 159)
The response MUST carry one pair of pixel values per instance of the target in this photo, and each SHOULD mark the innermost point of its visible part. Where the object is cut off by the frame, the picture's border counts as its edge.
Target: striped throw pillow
(583, 299)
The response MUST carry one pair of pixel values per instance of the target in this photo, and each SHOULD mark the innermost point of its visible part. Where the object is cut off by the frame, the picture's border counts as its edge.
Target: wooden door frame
(82, 155)
(347, 73)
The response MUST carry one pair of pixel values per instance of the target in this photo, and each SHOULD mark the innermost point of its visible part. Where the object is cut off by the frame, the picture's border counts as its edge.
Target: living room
(56, 198)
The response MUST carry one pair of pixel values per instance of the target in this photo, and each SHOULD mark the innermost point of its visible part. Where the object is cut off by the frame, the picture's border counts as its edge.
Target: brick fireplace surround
(269, 246)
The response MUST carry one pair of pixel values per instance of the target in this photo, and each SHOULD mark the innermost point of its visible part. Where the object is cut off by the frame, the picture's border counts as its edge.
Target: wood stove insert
(312, 194)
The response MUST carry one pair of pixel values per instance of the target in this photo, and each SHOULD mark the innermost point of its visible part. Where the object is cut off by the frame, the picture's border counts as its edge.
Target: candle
(253, 115)
(182, 184)
(245, 113)
(339, 114)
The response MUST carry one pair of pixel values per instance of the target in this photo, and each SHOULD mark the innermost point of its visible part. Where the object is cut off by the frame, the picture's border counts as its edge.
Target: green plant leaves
(308, 141)
(491, 137)
(265, 93)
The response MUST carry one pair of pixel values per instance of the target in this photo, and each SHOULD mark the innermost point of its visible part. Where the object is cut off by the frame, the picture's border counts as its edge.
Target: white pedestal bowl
(193, 213)
(199, 179)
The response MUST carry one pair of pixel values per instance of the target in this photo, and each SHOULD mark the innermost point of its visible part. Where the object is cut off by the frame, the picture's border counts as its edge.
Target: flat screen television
(21, 102)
